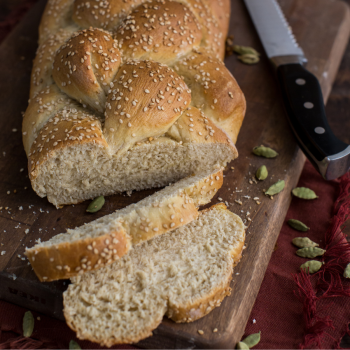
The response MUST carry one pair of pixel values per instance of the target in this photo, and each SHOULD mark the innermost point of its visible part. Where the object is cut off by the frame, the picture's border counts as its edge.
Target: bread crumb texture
(183, 274)
(105, 240)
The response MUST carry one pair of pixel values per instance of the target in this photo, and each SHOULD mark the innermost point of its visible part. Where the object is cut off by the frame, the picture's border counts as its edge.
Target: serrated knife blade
(274, 31)
(301, 91)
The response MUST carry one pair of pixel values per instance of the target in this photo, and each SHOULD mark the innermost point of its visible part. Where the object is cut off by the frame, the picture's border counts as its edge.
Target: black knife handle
(304, 104)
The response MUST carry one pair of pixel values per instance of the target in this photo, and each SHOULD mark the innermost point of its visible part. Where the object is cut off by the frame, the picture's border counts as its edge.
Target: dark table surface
(338, 106)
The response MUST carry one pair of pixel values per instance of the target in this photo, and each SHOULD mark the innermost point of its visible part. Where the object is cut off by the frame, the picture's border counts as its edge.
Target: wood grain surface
(322, 29)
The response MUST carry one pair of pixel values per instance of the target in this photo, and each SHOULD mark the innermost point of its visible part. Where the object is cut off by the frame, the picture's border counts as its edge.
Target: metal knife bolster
(301, 91)
(289, 59)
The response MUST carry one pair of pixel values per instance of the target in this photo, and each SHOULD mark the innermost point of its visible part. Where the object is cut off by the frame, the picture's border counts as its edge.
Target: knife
(301, 91)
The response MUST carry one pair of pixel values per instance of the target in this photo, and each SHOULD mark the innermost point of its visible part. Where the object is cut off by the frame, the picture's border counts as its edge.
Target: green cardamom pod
(74, 345)
(304, 242)
(310, 252)
(245, 50)
(347, 271)
(298, 225)
(252, 340)
(28, 324)
(304, 193)
(266, 152)
(276, 188)
(262, 173)
(311, 266)
(242, 345)
(249, 59)
(96, 205)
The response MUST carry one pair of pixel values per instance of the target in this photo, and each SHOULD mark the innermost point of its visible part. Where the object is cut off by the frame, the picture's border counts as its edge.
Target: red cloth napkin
(278, 313)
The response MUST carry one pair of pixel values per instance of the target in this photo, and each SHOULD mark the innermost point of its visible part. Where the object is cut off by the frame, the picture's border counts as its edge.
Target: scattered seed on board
(243, 50)
(28, 324)
(304, 242)
(311, 266)
(347, 271)
(298, 225)
(252, 340)
(249, 58)
(96, 205)
(310, 252)
(74, 345)
(276, 188)
(265, 152)
(200, 332)
(262, 173)
(304, 193)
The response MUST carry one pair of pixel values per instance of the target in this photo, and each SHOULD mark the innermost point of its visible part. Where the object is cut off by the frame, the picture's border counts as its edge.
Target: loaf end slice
(105, 240)
(184, 274)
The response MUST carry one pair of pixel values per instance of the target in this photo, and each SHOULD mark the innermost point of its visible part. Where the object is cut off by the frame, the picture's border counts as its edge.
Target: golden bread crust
(57, 15)
(67, 260)
(66, 129)
(42, 67)
(216, 92)
(162, 96)
(213, 38)
(194, 126)
(107, 15)
(141, 35)
(221, 10)
(85, 48)
(85, 66)
(42, 106)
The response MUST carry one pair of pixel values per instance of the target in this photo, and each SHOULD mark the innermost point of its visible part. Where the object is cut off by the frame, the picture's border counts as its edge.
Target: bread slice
(183, 274)
(105, 240)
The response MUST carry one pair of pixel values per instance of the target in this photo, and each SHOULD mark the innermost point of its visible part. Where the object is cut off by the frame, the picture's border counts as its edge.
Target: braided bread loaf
(129, 94)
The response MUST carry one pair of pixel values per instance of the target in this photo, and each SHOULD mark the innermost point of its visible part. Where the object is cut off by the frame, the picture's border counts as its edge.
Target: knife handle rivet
(300, 81)
(319, 130)
(308, 105)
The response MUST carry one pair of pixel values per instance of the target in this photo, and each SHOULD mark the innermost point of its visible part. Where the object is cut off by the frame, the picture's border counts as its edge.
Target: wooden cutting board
(322, 29)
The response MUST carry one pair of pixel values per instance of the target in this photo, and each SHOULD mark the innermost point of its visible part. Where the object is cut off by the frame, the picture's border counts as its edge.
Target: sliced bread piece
(183, 274)
(105, 240)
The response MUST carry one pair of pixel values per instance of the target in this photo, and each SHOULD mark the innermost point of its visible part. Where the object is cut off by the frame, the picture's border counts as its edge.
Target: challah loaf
(127, 95)
(183, 274)
(105, 240)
